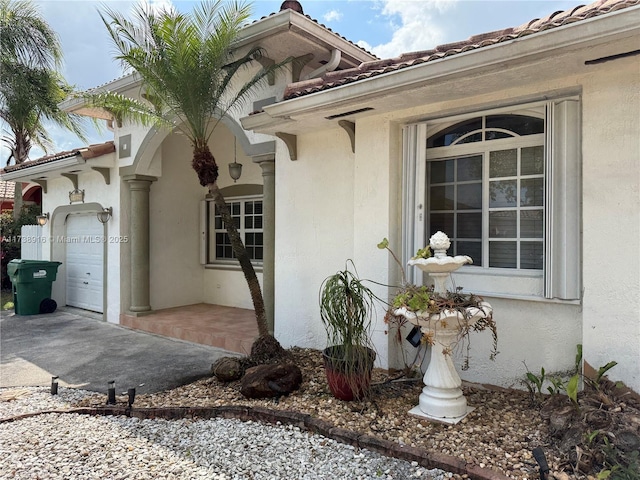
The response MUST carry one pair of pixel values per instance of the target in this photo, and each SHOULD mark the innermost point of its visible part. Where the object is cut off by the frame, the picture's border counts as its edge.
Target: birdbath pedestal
(441, 398)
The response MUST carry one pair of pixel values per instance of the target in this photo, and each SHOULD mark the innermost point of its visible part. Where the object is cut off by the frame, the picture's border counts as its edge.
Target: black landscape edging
(302, 420)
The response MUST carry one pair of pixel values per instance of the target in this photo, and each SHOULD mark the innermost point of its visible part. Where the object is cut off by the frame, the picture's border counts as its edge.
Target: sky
(386, 28)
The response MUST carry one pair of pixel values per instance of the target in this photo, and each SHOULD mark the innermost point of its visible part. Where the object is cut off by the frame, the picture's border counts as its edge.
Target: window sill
(235, 267)
(499, 272)
(524, 298)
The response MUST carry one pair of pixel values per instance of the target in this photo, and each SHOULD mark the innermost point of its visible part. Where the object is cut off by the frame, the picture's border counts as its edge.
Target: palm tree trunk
(17, 201)
(243, 258)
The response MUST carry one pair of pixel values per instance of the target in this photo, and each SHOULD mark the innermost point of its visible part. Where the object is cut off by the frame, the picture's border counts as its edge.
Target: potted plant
(346, 307)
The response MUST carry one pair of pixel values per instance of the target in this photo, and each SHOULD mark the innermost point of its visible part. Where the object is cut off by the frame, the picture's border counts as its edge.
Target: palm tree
(30, 88)
(28, 97)
(187, 65)
(26, 38)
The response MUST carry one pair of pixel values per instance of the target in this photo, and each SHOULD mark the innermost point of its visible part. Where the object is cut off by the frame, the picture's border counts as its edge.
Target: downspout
(330, 66)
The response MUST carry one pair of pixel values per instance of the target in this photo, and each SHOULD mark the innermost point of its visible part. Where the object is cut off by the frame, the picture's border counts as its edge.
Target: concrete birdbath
(441, 398)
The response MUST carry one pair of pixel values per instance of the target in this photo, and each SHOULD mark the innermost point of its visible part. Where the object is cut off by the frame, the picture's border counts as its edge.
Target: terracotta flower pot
(348, 378)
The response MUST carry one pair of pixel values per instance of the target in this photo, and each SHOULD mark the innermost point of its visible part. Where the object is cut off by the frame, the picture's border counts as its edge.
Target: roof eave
(27, 173)
(605, 28)
(290, 20)
(120, 85)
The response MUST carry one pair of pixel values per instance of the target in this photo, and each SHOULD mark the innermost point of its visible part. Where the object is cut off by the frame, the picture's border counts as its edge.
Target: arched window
(505, 187)
(485, 189)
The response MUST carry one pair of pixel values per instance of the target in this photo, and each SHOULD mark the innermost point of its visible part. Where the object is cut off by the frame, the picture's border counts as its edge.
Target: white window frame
(561, 276)
(208, 231)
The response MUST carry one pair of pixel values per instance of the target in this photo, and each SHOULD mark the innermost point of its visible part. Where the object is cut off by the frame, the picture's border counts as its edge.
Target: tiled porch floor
(233, 329)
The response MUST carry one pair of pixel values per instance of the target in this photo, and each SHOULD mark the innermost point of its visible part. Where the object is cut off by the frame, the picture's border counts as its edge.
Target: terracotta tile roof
(379, 67)
(7, 189)
(91, 151)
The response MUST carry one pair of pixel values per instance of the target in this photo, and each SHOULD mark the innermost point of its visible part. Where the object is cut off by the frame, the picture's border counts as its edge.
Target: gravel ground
(72, 446)
(499, 434)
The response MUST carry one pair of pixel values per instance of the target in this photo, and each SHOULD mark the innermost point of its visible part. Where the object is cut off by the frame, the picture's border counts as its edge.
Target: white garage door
(85, 262)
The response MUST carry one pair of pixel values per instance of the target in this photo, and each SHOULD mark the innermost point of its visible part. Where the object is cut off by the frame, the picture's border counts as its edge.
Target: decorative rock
(270, 380)
(227, 369)
(627, 441)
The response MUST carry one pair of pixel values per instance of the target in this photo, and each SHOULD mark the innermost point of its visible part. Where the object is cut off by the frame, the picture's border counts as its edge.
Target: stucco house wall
(175, 272)
(542, 333)
(98, 195)
(611, 218)
(314, 231)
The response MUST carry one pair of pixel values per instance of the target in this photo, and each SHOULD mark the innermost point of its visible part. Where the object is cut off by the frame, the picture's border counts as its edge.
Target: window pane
(470, 168)
(532, 192)
(475, 137)
(532, 160)
(442, 172)
(442, 222)
(503, 193)
(451, 134)
(531, 224)
(531, 255)
(503, 224)
(495, 135)
(502, 254)
(247, 218)
(258, 253)
(469, 196)
(469, 225)
(503, 163)
(471, 249)
(441, 198)
(520, 124)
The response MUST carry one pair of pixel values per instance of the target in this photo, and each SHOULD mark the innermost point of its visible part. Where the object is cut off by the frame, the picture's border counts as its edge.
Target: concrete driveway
(88, 353)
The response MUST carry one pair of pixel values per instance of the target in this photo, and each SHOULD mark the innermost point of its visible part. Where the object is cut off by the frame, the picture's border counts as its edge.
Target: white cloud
(414, 23)
(157, 6)
(332, 16)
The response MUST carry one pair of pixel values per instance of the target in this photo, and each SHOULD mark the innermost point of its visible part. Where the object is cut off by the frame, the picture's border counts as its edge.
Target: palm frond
(187, 62)
(30, 97)
(125, 108)
(26, 38)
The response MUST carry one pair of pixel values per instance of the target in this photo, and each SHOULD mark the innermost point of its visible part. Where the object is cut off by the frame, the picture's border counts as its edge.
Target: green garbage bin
(32, 281)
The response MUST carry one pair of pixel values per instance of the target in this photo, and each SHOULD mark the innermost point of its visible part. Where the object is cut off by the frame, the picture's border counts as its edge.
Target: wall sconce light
(105, 215)
(76, 196)
(42, 219)
(235, 168)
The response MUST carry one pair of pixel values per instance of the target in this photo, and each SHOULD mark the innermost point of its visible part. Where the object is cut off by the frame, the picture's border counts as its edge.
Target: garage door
(85, 262)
